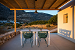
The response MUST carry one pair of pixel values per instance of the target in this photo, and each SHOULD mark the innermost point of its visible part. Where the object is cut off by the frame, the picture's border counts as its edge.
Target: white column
(33, 37)
(21, 37)
(36, 37)
(48, 37)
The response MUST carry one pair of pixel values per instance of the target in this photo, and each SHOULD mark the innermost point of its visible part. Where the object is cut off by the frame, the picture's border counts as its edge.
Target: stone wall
(7, 36)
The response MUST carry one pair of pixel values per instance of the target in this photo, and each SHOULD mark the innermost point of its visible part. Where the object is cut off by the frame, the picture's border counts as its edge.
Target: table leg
(36, 37)
(48, 37)
(21, 37)
(33, 38)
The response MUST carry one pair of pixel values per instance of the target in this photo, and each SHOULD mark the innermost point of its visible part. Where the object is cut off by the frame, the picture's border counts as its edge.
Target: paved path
(57, 43)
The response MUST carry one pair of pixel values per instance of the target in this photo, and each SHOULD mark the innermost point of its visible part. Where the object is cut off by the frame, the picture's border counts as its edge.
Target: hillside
(22, 16)
(5, 12)
(40, 16)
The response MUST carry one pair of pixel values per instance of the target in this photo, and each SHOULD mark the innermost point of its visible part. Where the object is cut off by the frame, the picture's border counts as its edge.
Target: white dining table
(35, 36)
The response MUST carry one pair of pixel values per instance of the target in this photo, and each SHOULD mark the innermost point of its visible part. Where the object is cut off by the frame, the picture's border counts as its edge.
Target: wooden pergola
(32, 5)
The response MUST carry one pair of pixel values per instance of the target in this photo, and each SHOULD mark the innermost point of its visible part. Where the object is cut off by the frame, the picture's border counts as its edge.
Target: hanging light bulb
(35, 11)
(35, 0)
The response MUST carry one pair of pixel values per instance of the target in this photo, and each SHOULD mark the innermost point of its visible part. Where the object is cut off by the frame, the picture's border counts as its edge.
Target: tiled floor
(57, 43)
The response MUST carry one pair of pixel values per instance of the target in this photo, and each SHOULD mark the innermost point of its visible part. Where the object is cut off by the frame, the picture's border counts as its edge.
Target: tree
(17, 25)
(50, 21)
(26, 23)
(38, 22)
(48, 25)
(53, 20)
(8, 24)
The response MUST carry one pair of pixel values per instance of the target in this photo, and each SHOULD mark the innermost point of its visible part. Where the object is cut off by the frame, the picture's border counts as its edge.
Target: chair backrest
(42, 34)
(27, 34)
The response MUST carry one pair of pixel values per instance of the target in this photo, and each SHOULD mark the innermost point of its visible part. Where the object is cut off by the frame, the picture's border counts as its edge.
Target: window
(65, 18)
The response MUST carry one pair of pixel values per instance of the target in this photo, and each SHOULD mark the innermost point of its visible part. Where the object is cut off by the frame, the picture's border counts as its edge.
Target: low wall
(7, 36)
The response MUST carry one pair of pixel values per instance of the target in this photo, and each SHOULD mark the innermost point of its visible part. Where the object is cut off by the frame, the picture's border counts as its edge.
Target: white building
(66, 21)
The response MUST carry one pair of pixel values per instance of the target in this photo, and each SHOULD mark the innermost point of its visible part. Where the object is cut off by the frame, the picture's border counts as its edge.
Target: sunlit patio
(63, 40)
(56, 43)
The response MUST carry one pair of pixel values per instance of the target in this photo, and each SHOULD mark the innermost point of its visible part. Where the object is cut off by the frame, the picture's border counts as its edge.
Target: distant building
(3, 21)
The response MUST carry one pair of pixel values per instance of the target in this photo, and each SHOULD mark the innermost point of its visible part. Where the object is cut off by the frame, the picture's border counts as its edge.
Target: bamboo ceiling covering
(33, 4)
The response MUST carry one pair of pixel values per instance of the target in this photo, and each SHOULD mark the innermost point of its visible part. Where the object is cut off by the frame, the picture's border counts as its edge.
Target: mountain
(40, 16)
(5, 12)
(22, 16)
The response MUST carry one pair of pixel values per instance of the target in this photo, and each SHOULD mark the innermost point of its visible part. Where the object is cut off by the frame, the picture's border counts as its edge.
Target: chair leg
(46, 42)
(39, 41)
(24, 42)
(31, 41)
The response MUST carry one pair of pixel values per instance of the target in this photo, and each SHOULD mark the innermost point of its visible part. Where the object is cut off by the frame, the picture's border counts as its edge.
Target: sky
(52, 12)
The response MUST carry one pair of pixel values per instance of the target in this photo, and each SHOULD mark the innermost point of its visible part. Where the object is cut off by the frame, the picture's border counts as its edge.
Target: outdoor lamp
(35, 11)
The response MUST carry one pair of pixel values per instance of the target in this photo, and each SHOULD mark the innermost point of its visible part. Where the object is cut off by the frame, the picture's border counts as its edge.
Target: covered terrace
(56, 42)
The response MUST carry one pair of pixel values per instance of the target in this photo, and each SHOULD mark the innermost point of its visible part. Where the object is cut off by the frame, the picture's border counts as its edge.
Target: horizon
(51, 12)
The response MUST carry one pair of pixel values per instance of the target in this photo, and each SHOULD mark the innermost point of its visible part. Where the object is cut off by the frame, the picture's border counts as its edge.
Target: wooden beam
(34, 9)
(34, 5)
(9, 3)
(26, 3)
(15, 20)
(43, 4)
(52, 4)
(62, 3)
(18, 3)
(4, 4)
(30, 3)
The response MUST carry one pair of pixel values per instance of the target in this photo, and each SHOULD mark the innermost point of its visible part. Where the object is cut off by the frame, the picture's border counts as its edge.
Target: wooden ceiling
(33, 5)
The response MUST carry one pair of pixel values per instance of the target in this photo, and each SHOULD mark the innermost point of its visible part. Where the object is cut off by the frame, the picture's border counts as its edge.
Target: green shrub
(17, 25)
(8, 28)
(1, 23)
(48, 25)
(53, 20)
(38, 22)
(26, 23)
(8, 24)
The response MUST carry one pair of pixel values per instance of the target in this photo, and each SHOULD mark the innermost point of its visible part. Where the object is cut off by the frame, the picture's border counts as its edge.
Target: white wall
(74, 22)
(66, 29)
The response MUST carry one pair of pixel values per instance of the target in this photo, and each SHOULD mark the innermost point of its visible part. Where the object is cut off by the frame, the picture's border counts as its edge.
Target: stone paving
(57, 43)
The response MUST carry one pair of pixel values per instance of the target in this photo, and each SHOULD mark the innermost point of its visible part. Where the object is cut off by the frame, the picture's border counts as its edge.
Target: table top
(35, 30)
